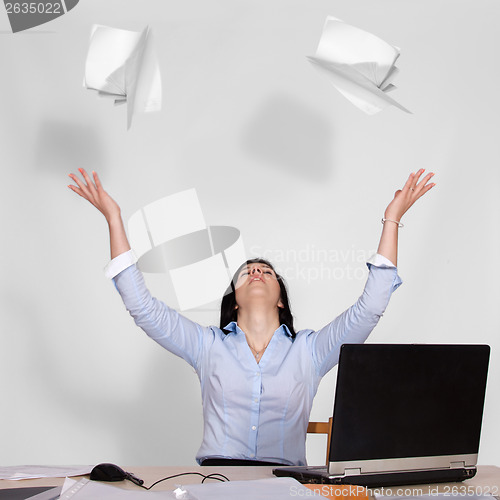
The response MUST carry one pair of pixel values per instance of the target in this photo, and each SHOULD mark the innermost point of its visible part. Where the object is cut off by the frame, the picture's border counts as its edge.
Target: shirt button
(252, 455)
(253, 427)
(256, 400)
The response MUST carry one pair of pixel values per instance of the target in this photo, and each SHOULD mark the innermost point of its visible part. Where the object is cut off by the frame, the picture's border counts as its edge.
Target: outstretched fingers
(424, 185)
(417, 187)
(86, 188)
(89, 184)
(425, 180)
(91, 189)
(82, 189)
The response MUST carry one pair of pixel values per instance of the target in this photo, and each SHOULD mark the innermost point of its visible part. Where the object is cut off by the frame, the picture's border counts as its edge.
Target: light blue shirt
(258, 411)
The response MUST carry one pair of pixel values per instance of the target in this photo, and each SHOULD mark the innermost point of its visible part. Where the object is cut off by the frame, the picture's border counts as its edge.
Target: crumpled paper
(122, 65)
(360, 65)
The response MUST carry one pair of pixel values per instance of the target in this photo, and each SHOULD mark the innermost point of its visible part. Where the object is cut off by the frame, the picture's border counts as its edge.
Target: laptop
(404, 414)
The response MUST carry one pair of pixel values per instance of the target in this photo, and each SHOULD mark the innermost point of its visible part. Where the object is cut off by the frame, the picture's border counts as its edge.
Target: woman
(258, 377)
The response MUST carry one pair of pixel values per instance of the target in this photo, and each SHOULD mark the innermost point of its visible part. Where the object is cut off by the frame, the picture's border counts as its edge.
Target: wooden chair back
(322, 428)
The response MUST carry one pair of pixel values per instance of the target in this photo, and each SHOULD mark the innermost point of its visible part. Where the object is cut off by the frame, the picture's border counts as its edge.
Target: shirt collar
(234, 328)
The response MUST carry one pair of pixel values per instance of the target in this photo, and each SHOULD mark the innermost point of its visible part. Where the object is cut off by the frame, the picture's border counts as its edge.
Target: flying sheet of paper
(17, 472)
(122, 65)
(360, 65)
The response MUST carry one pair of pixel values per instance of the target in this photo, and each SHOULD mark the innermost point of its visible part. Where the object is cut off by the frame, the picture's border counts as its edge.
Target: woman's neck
(259, 326)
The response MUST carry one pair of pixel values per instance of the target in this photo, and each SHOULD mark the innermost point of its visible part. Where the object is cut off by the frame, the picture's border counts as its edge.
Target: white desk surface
(487, 479)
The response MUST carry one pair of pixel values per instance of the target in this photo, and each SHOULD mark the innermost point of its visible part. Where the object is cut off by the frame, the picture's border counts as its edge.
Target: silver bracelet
(395, 222)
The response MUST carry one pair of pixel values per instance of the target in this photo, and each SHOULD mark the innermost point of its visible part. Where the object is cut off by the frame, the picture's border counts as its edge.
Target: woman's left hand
(406, 197)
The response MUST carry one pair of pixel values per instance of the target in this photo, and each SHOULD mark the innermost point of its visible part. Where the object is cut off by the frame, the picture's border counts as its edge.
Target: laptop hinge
(457, 465)
(352, 472)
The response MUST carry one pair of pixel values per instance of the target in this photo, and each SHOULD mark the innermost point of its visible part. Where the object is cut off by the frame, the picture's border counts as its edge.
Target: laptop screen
(407, 400)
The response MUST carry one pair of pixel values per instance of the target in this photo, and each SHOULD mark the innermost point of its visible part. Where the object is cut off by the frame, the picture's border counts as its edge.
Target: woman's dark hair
(228, 311)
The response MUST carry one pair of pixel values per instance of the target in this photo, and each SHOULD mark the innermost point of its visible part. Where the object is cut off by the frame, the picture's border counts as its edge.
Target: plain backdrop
(272, 149)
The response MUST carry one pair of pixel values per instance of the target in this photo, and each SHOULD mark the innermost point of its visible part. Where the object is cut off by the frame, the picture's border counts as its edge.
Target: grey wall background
(272, 149)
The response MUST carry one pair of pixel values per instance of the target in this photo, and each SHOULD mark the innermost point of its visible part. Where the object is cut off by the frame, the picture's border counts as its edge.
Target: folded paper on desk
(122, 65)
(282, 488)
(93, 490)
(360, 65)
(18, 472)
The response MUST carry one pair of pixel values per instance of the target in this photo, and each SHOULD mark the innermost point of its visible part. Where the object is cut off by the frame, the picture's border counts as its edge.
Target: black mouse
(108, 472)
(111, 472)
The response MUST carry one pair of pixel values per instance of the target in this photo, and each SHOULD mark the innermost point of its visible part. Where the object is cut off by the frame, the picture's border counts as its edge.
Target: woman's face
(257, 282)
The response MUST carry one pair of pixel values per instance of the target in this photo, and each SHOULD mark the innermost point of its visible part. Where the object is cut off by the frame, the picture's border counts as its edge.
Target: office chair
(322, 428)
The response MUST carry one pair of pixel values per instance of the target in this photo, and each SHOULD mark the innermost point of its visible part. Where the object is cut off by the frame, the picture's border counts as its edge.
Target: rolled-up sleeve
(356, 323)
(170, 329)
(119, 263)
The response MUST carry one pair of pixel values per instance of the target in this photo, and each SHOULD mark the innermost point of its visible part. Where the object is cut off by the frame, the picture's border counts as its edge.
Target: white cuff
(118, 264)
(378, 260)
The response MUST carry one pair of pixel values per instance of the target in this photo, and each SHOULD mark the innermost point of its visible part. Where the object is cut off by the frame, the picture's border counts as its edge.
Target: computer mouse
(112, 472)
(108, 472)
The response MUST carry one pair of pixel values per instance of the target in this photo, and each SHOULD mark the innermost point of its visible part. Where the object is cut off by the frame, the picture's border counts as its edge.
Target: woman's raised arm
(93, 192)
(403, 200)
(356, 323)
(166, 326)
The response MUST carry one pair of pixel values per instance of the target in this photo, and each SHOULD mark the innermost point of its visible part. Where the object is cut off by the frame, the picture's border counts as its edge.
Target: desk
(487, 478)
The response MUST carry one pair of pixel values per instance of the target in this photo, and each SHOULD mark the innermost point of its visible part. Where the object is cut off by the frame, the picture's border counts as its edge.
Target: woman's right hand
(93, 192)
